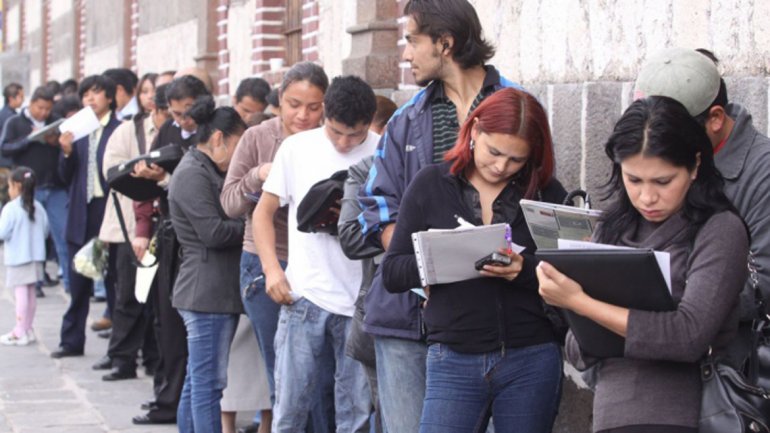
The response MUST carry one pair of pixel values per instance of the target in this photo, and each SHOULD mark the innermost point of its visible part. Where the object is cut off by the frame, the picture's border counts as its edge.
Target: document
(39, 134)
(81, 123)
(447, 256)
(549, 222)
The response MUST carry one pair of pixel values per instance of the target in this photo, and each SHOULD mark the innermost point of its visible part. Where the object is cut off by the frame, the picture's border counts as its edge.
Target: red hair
(514, 112)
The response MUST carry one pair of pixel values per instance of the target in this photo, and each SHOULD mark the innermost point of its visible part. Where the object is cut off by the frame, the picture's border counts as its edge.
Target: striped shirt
(445, 123)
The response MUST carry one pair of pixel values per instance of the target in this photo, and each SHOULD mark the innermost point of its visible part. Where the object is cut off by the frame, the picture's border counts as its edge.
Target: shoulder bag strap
(123, 228)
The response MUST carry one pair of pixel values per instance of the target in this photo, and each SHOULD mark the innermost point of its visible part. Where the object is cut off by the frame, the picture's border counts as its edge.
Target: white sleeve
(279, 181)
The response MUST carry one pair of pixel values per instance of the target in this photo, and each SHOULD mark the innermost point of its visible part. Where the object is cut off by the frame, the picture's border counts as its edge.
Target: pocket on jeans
(251, 284)
(436, 351)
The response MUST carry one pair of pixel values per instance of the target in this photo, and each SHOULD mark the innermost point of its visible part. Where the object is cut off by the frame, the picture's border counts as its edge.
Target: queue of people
(320, 328)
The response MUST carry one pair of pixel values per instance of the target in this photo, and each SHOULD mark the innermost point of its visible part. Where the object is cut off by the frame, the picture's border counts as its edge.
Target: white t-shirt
(318, 269)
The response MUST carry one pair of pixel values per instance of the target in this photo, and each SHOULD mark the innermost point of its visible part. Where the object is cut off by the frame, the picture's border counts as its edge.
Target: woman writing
(669, 198)
(206, 289)
(492, 350)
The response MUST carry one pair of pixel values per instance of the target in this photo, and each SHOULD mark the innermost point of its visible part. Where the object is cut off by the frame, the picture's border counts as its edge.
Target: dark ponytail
(210, 119)
(25, 177)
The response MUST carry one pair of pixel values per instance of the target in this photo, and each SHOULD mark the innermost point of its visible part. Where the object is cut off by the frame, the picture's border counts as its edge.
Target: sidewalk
(39, 394)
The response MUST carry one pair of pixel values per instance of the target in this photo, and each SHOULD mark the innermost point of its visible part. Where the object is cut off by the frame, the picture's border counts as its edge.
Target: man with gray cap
(741, 153)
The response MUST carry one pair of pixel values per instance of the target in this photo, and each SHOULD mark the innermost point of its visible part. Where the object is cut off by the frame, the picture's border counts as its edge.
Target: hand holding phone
(494, 259)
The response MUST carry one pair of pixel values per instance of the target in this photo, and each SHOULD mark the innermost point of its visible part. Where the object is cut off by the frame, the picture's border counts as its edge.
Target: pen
(462, 222)
(509, 239)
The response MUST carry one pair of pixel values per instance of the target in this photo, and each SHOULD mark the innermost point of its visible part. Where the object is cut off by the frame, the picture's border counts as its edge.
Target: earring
(472, 144)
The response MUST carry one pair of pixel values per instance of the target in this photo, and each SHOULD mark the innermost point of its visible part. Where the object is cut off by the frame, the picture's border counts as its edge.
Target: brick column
(223, 85)
(130, 33)
(79, 41)
(5, 26)
(46, 40)
(22, 25)
(267, 34)
(310, 30)
(407, 79)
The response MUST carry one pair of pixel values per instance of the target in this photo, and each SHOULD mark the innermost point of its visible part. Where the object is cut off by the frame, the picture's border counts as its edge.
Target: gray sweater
(658, 381)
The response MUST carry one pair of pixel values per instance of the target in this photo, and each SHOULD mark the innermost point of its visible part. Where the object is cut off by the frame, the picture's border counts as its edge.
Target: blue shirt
(24, 239)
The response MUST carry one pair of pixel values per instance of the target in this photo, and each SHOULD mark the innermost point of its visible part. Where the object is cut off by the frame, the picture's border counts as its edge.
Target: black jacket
(41, 157)
(483, 314)
(208, 279)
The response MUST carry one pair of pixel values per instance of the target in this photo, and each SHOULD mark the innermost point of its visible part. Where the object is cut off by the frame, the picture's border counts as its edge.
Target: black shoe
(48, 281)
(104, 363)
(65, 353)
(119, 374)
(149, 419)
(106, 334)
(251, 428)
(149, 405)
(39, 292)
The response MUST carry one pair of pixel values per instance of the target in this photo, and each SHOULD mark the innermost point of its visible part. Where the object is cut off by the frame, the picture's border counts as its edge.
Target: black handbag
(121, 180)
(732, 400)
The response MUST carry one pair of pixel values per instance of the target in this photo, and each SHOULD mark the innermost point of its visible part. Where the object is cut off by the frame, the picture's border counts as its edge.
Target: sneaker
(11, 340)
(31, 337)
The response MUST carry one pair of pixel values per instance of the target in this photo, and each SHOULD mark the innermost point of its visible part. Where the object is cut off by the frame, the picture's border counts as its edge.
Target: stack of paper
(447, 256)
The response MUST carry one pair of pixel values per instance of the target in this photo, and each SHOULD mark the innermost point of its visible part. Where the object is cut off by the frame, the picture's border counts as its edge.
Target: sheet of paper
(81, 124)
(663, 258)
(144, 277)
(548, 222)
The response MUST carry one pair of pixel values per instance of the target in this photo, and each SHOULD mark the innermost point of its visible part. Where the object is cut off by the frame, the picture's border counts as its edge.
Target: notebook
(447, 256)
(630, 278)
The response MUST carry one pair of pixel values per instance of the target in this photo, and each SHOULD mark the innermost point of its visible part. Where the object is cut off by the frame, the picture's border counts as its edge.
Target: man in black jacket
(14, 97)
(42, 156)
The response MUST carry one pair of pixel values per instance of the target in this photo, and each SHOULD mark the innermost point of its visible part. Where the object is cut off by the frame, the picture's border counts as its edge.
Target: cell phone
(494, 259)
(252, 196)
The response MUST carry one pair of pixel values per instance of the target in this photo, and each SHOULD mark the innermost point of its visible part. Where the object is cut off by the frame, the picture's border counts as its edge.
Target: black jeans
(651, 428)
(128, 318)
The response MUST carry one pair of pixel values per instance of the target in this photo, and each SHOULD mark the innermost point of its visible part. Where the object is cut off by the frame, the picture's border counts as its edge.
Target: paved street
(39, 394)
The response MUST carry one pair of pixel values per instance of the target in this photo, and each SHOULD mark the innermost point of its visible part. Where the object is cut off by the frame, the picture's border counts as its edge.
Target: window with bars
(293, 32)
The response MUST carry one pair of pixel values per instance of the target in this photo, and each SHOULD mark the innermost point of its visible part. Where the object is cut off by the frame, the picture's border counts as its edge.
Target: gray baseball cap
(682, 74)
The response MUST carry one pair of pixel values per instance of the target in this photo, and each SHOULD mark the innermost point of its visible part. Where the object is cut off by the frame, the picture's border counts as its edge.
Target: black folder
(626, 278)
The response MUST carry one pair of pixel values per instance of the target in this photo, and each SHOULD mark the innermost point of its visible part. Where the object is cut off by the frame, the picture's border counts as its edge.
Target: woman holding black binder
(669, 198)
(492, 350)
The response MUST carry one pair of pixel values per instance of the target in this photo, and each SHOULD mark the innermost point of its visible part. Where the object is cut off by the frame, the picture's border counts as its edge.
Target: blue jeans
(519, 387)
(400, 382)
(262, 311)
(307, 335)
(209, 336)
(55, 201)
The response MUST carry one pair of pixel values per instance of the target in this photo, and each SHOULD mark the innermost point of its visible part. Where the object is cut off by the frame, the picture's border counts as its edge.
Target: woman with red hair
(492, 350)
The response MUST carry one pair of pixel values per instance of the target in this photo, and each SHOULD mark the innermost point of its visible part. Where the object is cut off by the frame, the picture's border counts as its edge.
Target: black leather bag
(121, 180)
(733, 400)
(729, 403)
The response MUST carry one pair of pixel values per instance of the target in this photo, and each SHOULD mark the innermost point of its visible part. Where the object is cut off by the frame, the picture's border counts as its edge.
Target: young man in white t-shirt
(320, 285)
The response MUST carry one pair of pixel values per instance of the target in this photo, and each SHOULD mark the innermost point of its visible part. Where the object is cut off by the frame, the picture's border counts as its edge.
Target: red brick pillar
(310, 30)
(223, 54)
(267, 34)
(130, 33)
(46, 40)
(80, 39)
(407, 79)
(22, 25)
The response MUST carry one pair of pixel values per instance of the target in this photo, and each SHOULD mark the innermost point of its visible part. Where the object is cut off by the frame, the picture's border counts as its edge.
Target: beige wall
(174, 47)
(564, 41)
(239, 30)
(333, 41)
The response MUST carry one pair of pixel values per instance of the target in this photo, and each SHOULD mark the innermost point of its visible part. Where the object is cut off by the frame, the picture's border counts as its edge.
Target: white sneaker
(11, 340)
(31, 337)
